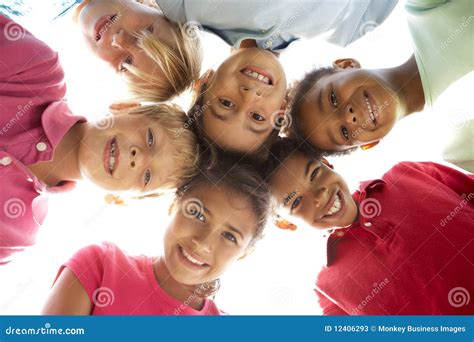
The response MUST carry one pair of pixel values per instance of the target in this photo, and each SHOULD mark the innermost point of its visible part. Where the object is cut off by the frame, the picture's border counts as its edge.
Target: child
(339, 108)
(402, 244)
(45, 148)
(216, 219)
(165, 45)
(239, 107)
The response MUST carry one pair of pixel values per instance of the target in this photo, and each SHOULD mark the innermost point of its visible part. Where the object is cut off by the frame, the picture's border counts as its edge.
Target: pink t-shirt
(33, 120)
(119, 284)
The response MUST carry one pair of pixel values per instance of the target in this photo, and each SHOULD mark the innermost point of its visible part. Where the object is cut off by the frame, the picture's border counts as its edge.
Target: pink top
(119, 284)
(33, 120)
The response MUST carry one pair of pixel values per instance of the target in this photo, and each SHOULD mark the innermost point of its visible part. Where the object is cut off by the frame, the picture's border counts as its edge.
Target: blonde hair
(186, 151)
(180, 65)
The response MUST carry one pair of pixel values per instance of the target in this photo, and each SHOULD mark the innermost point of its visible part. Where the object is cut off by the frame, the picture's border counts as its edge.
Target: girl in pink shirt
(216, 219)
(44, 148)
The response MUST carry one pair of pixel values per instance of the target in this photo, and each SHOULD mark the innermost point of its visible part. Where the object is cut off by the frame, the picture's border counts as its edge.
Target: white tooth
(261, 77)
(254, 74)
(266, 80)
(190, 258)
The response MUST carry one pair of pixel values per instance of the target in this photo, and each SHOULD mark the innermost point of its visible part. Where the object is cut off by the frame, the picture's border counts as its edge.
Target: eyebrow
(287, 199)
(320, 99)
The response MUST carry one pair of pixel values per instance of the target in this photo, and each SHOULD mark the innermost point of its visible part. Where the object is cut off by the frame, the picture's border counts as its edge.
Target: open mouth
(335, 206)
(102, 25)
(111, 156)
(257, 74)
(191, 260)
(372, 113)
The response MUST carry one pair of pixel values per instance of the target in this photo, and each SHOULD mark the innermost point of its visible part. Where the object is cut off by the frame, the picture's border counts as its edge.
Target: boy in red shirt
(401, 245)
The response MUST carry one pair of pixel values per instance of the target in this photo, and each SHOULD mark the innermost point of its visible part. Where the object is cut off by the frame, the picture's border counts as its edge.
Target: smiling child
(216, 219)
(408, 235)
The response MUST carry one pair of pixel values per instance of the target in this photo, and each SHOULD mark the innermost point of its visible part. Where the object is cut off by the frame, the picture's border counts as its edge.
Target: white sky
(279, 277)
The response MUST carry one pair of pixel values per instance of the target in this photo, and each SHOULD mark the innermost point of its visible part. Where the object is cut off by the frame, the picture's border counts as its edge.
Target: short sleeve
(87, 265)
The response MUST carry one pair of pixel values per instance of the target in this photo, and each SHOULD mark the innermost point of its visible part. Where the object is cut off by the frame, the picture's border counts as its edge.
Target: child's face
(311, 191)
(242, 96)
(203, 240)
(128, 152)
(108, 28)
(350, 107)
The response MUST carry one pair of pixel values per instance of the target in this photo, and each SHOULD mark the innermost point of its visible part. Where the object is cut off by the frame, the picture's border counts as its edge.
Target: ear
(204, 79)
(122, 107)
(284, 224)
(325, 162)
(369, 146)
(346, 63)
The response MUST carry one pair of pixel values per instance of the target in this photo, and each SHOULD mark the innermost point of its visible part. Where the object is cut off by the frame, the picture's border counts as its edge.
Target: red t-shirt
(119, 284)
(411, 251)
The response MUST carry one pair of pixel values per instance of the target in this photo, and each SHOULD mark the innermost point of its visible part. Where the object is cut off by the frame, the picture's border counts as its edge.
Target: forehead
(290, 176)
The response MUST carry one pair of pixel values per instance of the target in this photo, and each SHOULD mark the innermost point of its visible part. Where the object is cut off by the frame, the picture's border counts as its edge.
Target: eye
(229, 237)
(150, 137)
(258, 117)
(126, 60)
(314, 173)
(198, 215)
(345, 133)
(296, 202)
(226, 103)
(333, 98)
(147, 177)
(150, 28)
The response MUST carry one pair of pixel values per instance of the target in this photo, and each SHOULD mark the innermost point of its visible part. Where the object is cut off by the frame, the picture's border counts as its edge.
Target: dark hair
(241, 177)
(195, 115)
(297, 95)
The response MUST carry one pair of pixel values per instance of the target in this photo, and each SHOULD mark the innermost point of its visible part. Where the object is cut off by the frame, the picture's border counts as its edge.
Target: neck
(64, 166)
(406, 82)
(184, 293)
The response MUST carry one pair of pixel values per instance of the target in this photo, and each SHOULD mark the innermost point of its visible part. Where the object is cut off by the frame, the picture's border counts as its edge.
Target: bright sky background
(279, 277)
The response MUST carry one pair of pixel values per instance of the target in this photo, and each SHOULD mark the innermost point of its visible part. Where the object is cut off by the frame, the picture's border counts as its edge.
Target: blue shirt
(275, 24)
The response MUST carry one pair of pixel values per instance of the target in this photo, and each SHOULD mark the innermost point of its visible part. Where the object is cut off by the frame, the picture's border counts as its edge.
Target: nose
(320, 196)
(122, 39)
(203, 242)
(137, 157)
(250, 93)
(351, 114)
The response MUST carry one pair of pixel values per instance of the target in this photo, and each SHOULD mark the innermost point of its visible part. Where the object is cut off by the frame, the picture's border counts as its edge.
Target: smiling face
(211, 228)
(127, 152)
(311, 191)
(242, 99)
(347, 108)
(109, 27)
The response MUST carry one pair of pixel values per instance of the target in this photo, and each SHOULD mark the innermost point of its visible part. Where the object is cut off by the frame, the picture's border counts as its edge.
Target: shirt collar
(370, 224)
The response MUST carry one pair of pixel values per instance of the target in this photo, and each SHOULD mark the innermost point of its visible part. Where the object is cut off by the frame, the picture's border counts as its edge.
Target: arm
(328, 307)
(68, 296)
